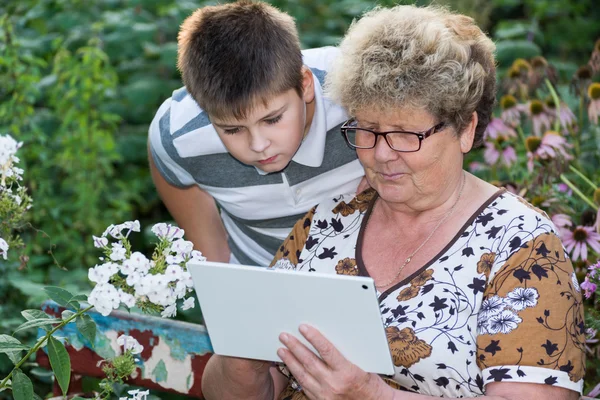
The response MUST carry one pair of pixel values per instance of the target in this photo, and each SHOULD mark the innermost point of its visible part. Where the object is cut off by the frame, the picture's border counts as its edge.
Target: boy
(250, 132)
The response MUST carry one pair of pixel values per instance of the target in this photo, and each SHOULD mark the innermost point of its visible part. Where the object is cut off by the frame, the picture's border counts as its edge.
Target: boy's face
(270, 135)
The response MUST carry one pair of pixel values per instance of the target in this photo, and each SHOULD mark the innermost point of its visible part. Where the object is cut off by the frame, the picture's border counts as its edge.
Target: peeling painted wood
(174, 357)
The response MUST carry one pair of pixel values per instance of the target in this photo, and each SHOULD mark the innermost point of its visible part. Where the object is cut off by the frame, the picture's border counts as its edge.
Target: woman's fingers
(328, 352)
(299, 371)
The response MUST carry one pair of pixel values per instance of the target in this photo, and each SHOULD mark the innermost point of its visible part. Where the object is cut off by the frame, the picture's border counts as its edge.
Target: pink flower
(540, 116)
(498, 146)
(588, 287)
(550, 146)
(577, 241)
(508, 156)
(476, 166)
(497, 127)
(561, 220)
(594, 107)
(564, 188)
(567, 118)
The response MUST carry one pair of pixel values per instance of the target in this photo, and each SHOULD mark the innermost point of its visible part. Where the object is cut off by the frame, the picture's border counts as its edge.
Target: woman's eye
(273, 120)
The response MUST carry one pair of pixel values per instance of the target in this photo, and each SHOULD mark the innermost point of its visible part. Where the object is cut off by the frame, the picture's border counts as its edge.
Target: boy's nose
(258, 143)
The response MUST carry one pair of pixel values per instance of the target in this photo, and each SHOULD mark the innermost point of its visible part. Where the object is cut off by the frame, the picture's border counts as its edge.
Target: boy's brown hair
(233, 55)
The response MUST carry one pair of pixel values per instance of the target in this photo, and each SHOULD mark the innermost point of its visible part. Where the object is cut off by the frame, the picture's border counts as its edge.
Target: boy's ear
(308, 85)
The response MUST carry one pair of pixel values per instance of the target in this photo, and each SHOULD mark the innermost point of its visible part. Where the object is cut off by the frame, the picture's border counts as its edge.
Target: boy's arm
(229, 378)
(196, 213)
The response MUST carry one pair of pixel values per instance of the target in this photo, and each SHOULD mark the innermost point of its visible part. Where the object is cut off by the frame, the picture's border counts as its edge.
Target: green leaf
(66, 314)
(22, 387)
(9, 344)
(87, 327)
(60, 362)
(61, 296)
(34, 323)
(34, 314)
(509, 50)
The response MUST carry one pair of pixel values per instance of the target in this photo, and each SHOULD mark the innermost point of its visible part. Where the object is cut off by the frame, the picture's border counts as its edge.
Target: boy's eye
(274, 120)
(231, 131)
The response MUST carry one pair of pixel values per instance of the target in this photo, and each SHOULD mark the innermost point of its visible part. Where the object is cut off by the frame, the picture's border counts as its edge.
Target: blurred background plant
(82, 79)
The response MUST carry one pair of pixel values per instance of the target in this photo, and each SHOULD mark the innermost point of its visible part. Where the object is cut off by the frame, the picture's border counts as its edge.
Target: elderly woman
(477, 294)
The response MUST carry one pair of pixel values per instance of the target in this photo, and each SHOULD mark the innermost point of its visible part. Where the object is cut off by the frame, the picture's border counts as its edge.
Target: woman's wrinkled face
(410, 177)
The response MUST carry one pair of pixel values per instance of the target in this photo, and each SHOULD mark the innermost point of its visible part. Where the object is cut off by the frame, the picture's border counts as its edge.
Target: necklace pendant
(408, 260)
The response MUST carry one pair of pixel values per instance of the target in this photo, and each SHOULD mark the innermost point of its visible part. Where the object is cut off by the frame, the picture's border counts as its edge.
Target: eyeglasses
(405, 142)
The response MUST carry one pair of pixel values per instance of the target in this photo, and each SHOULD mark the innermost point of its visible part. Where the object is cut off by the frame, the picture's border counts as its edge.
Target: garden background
(80, 81)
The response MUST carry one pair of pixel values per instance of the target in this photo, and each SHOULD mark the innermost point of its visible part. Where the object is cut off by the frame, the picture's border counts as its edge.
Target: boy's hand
(363, 185)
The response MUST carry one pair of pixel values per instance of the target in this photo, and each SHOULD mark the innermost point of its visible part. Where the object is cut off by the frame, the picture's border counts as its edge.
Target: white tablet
(246, 308)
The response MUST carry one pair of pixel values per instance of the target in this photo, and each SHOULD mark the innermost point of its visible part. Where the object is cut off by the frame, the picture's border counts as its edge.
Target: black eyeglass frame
(420, 135)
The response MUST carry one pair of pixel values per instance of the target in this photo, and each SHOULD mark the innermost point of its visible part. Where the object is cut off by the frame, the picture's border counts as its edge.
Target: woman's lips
(391, 176)
(268, 160)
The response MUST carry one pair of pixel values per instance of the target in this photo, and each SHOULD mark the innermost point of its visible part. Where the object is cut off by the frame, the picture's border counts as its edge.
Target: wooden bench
(175, 353)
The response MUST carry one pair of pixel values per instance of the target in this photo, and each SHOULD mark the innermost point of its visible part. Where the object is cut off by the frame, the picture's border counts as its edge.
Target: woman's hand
(331, 376)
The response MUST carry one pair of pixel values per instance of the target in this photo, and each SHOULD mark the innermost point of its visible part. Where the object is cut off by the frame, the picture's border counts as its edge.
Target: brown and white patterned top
(500, 303)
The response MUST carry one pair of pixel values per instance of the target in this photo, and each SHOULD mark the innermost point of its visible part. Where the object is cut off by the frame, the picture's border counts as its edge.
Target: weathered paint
(175, 353)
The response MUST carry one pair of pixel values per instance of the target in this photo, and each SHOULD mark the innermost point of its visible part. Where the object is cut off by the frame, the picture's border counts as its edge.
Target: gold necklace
(450, 212)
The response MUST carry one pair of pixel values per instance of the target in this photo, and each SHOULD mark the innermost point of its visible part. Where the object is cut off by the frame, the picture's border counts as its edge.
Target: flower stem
(578, 192)
(522, 136)
(39, 343)
(582, 176)
(556, 104)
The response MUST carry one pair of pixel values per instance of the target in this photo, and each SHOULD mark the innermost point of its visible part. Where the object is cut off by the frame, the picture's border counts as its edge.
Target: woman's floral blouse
(500, 303)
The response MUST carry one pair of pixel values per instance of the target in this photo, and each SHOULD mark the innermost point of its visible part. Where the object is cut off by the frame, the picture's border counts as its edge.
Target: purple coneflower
(594, 107)
(550, 146)
(539, 116)
(567, 119)
(588, 287)
(498, 143)
(562, 220)
(577, 241)
(511, 113)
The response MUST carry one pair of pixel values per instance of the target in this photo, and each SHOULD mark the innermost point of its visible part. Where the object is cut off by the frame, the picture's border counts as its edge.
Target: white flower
(3, 248)
(8, 149)
(504, 322)
(197, 256)
(521, 298)
(182, 247)
(134, 278)
(116, 231)
(187, 279)
(190, 302)
(126, 298)
(137, 395)
(102, 273)
(174, 273)
(130, 344)
(176, 259)
(100, 242)
(180, 289)
(169, 311)
(105, 298)
(491, 306)
(167, 231)
(117, 252)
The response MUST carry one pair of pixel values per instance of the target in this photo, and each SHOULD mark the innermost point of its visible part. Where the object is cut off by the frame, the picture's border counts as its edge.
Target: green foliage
(60, 362)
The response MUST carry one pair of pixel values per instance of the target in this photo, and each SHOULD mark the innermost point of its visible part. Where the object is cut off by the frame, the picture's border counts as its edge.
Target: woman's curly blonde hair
(422, 57)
